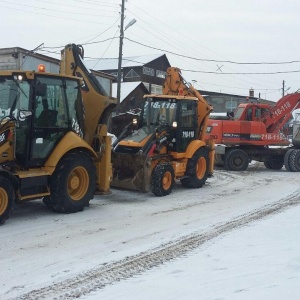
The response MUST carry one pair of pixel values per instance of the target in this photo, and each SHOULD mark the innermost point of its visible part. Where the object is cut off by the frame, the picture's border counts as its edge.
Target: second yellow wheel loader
(167, 142)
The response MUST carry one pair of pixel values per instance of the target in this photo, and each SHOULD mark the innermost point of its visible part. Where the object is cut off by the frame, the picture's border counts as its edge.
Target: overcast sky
(206, 39)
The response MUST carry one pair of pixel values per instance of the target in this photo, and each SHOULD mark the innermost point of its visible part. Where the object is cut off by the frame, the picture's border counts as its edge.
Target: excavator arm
(175, 84)
(97, 110)
(281, 112)
(98, 105)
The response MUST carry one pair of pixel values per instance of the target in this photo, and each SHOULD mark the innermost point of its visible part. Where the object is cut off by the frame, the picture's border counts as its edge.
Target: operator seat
(48, 117)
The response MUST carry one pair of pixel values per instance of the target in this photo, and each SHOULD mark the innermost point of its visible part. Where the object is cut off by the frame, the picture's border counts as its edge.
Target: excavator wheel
(287, 160)
(196, 169)
(7, 198)
(274, 163)
(294, 160)
(162, 179)
(236, 160)
(72, 185)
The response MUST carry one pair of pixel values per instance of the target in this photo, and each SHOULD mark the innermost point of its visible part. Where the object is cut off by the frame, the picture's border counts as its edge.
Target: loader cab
(45, 108)
(187, 129)
(177, 114)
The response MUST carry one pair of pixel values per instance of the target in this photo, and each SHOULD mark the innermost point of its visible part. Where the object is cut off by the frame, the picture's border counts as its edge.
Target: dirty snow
(236, 238)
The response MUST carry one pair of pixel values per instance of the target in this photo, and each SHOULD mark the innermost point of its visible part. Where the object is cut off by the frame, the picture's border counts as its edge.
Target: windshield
(159, 112)
(238, 113)
(14, 95)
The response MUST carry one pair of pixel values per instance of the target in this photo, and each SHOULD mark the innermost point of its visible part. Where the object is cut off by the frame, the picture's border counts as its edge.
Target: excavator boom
(281, 112)
(98, 105)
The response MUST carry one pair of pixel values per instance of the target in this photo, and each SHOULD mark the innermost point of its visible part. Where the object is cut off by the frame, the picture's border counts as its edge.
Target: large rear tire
(236, 160)
(162, 179)
(7, 199)
(196, 169)
(287, 160)
(294, 160)
(72, 185)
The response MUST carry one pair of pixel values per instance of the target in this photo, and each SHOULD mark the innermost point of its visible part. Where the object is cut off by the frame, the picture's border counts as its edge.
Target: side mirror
(24, 114)
(41, 89)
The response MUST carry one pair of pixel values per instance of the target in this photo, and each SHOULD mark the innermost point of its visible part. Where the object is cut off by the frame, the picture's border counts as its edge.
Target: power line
(50, 9)
(215, 60)
(100, 3)
(103, 32)
(49, 15)
(241, 73)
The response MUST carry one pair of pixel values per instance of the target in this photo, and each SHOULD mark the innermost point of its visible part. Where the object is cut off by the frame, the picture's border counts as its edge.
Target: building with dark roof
(228, 103)
(149, 69)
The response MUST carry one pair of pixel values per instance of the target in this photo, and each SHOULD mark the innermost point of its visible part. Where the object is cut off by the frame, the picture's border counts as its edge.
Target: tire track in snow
(110, 273)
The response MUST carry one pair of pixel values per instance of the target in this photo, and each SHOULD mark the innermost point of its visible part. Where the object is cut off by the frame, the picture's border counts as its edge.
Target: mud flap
(131, 171)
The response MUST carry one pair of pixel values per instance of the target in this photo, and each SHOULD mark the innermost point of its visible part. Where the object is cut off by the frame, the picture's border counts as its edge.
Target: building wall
(228, 103)
(8, 62)
(21, 59)
(27, 62)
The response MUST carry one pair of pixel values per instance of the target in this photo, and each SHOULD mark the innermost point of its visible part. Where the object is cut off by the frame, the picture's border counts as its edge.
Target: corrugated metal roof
(127, 62)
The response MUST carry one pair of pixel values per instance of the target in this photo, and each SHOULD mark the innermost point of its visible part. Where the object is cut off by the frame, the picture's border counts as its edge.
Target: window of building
(160, 74)
(148, 71)
(156, 89)
(231, 105)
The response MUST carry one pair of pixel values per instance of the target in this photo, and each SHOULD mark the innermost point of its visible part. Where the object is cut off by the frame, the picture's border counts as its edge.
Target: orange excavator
(256, 132)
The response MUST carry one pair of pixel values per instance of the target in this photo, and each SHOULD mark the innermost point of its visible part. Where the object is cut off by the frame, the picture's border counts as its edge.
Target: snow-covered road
(134, 236)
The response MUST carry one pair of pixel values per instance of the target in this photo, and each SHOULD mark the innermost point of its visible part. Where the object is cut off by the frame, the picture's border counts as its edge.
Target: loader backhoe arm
(175, 84)
(98, 105)
(281, 112)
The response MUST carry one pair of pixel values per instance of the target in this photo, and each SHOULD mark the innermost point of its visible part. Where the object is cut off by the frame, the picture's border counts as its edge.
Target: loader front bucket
(131, 171)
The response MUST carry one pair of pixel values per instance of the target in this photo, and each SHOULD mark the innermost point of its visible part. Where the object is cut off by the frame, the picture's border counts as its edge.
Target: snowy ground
(236, 238)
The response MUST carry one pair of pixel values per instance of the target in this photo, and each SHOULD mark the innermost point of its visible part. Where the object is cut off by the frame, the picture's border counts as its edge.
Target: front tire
(72, 185)
(7, 199)
(162, 179)
(196, 169)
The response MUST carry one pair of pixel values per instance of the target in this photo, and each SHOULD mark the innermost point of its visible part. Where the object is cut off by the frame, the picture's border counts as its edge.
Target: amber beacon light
(41, 68)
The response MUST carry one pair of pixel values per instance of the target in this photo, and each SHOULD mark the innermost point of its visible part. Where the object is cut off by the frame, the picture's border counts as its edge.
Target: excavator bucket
(131, 171)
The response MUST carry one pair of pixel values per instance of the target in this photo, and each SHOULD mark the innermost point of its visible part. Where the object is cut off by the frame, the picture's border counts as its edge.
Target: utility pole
(120, 57)
(284, 90)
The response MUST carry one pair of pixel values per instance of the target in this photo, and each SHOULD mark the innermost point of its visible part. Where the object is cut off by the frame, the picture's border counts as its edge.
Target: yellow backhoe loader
(167, 142)
(53, 136)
